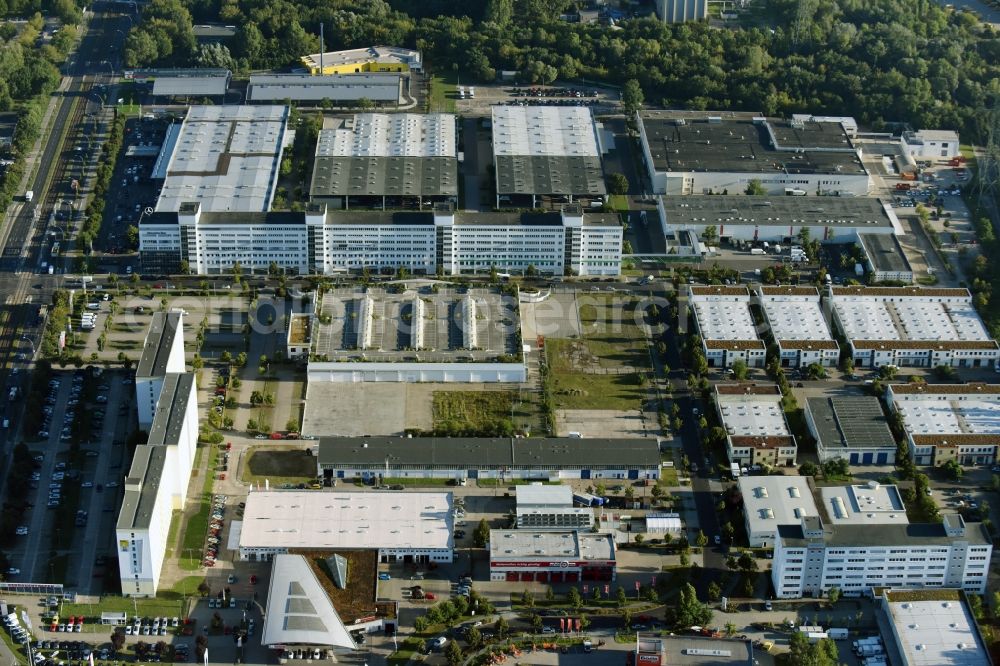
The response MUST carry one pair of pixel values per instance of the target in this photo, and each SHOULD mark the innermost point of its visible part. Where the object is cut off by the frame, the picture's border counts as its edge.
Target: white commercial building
(162, 353)
(869, 504)
(756, 430)
(569, 556)
(547, 151)
(912, 326)
(317, 242)
(225, 158)
(949, 422)
(799, 326)
(931, 144)
(156, 485)
(381, 89)
(713, 152)
(813, 556)
(550, 507)
(931, 628)
(401, 526)
(727, 330)
(300, 612)
(769, 501)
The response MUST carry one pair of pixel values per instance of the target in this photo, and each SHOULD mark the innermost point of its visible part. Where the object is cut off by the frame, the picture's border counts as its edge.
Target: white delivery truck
(29, 195)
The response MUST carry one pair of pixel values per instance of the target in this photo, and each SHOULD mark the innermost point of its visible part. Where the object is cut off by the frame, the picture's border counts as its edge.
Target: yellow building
(369, 59)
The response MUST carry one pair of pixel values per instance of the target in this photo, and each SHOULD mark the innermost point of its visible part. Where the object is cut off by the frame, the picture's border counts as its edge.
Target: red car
(429, 596)
(253, 579)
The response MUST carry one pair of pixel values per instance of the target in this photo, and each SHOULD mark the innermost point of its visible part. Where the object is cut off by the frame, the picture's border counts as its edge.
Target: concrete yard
(599, 423)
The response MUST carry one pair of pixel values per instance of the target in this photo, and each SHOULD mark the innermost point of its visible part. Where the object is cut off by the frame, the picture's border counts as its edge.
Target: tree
(822, 653)
(632, 98)
(482, 534)
(226, 357)
(701, 540)
(117, 639)
(808, 468)
(740, 369)
(474, 637)
(617, 183)
(420, 624)
(241, 359)
(132, 236)
(627, 618)
(453, 653)
(710, 234)
(714, 591)
(499, 12)
(573, 597)
(689, 611)
(755, 188)
(833, 595)
(536, 622)
(502, 628)
(747, 563)
(528, 599)
(730, 629)
(953, 470)
(620, 597)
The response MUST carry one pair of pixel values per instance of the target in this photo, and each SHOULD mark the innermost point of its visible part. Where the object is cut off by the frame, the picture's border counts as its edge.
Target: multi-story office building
(912, 326)
(162, 353)
(315, 241)
(157, 485)
(813, 556)
(756, 430)
(682, 11)
(945, 422)
(541, 507)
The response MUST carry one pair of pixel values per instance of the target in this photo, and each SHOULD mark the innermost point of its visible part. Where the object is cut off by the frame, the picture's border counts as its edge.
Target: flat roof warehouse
(725, 210)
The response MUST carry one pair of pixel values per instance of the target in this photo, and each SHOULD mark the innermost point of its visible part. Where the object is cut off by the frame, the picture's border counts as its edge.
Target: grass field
(612, 340)
(154, 607)
(196, 527)
(444, 89)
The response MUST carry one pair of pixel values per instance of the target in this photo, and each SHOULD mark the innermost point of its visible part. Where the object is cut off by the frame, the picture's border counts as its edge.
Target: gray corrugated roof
(390, 176)
(487, 453)
(159, 340)
(349, 87)
(885, 252)
(550, 174)
(851, 422)
(183, 86)
(170, 408)
(733, 210)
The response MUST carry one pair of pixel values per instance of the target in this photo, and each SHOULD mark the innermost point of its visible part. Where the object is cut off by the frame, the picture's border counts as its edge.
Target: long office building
(338, 89)
(162, 353)
(757, 432)
(814, 555)
(949, 422)
(912, 326)
(156, 485)
(799, 326)
(319, 242)
(727, 330)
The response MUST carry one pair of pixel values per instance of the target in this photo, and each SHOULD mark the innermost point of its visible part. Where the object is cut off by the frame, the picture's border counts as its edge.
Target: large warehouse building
(338, 90)
(401, 526)
(774, 219)
(852, 427)
(931, 628)
(912, 326)
(711, 152)
(551, 557)
(405, 159)
(945, 422)
(547, 153)
(462, 458)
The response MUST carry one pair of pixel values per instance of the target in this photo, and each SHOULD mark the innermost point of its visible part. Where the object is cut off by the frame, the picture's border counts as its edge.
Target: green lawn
(572, 389)
(444, 90)
(196, 527)
(155, 607)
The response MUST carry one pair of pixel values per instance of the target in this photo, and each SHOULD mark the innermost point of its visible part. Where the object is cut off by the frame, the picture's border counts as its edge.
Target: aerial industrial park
(356, 356)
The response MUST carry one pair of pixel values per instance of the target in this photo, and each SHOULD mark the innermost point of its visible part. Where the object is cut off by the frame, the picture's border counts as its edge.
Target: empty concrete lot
(605, 423)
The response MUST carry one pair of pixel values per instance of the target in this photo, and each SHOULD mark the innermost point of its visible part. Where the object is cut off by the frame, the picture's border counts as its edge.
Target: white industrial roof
(328, 520)
(382, 54)
(724, 320)
(226, 158)
(544, 131)
(568, 545)
(937, 633)
(538, 495)
(909, 318)
(937, 135)
(299, 611)
(770, 501)
(663, 522)
(872, 504)
(753, 415)
(390, 135)
(938, 414)
(797, 318)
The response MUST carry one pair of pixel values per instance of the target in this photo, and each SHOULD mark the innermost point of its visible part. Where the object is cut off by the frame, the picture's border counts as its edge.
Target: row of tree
(884, 60)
